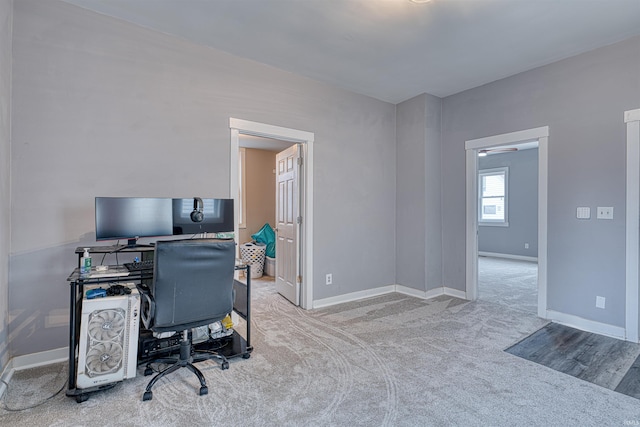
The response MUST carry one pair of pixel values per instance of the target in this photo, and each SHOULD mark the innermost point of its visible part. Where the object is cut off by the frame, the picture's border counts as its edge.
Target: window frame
(489, 172)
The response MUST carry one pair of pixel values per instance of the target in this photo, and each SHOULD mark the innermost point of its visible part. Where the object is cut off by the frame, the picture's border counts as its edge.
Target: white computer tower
(108, 348)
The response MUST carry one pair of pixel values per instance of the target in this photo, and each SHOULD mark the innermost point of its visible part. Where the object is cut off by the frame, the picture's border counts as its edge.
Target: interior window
(492, 198)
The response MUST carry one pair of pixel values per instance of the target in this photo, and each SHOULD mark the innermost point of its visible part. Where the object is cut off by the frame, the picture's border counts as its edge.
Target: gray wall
(418, 209)
(102, 107)
(433, 189)
(411, 193)
(582, 100)
(6, 11)
(522, 209)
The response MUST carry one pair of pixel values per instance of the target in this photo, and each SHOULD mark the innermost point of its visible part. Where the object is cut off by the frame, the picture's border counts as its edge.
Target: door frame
(632, 120)
(245, 127)
(540, 134)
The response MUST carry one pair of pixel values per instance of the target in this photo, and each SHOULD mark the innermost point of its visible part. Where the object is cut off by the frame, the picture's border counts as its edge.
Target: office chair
(192, 286)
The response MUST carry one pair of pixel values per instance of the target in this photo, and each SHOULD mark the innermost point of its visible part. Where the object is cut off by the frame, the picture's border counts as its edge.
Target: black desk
(232, 346)
(145, 251)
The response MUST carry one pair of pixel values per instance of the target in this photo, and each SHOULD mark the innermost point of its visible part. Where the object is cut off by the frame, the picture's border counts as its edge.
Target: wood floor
(608, 362)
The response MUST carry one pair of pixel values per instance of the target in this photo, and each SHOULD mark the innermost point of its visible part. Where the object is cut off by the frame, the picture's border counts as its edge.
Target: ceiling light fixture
(419, 1)
(486, 151)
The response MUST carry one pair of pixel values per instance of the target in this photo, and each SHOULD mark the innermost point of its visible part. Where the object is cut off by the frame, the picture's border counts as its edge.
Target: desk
(145, 251)
(233, 346)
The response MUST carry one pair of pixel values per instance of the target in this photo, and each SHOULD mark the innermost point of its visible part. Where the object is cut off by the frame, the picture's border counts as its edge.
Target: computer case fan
(108, 347)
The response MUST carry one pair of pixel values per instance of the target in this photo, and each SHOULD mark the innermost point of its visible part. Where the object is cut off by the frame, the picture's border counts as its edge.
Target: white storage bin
(253, 254)
(270, 266)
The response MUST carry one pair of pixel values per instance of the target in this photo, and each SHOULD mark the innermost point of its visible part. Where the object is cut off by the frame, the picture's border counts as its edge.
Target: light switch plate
(583, 212)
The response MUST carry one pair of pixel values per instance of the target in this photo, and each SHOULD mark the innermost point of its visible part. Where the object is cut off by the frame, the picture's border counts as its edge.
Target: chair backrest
(192, 283)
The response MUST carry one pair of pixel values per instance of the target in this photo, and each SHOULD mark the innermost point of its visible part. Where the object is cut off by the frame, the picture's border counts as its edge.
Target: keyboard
(139, 265)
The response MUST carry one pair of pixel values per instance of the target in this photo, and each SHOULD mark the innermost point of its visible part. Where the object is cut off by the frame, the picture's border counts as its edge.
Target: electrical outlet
(600, 302)
(605, 212)
(329, 279)
(526, 246)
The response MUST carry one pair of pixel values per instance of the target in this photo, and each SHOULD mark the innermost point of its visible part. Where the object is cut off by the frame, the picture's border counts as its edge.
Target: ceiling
(262, 143)
(391, 50)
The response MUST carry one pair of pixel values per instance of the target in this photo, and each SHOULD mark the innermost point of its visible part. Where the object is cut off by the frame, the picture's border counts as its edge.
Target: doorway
(508, 226)
(473, 148)
(288, 137)
(508, 282)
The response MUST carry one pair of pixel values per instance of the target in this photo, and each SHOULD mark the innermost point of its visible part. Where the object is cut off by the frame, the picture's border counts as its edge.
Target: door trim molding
(541, 134)
(632, 119)
(246, 127)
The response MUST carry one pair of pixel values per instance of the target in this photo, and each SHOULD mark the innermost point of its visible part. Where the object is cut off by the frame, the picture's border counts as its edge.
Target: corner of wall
(6, 49)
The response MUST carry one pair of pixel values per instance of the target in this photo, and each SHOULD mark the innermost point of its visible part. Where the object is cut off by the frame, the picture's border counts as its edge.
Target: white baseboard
(31, 361)
(418, 293)
(455, 293)
(40, 359)
(508, 256)
(432, 293)
(7, 373)
(586, 325)
(354, 296)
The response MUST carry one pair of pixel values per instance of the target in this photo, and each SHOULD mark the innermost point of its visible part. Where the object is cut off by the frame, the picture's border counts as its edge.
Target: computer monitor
(217, 216)
(133, 217)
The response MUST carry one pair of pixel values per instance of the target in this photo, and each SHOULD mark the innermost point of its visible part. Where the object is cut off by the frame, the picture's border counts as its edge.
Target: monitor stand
(132, 244)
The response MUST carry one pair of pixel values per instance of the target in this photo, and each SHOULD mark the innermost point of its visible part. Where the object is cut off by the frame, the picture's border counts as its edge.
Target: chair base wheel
(224, 365)
(148, 371)
(148, 395)
(82, 398)
(246, 355)
(204, 390)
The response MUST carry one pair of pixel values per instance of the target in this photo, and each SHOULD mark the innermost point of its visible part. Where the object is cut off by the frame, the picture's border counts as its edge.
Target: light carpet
(392, 360)
(509, 282)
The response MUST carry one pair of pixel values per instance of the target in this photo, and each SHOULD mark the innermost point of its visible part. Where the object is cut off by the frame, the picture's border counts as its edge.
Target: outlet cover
(600, 302)
(605, 212)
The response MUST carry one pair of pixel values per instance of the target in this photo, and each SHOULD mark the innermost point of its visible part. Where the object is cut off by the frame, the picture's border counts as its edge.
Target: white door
(288, 223)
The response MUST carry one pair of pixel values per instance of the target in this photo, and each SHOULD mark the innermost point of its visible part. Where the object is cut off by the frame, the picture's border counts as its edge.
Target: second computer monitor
(217, 216)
